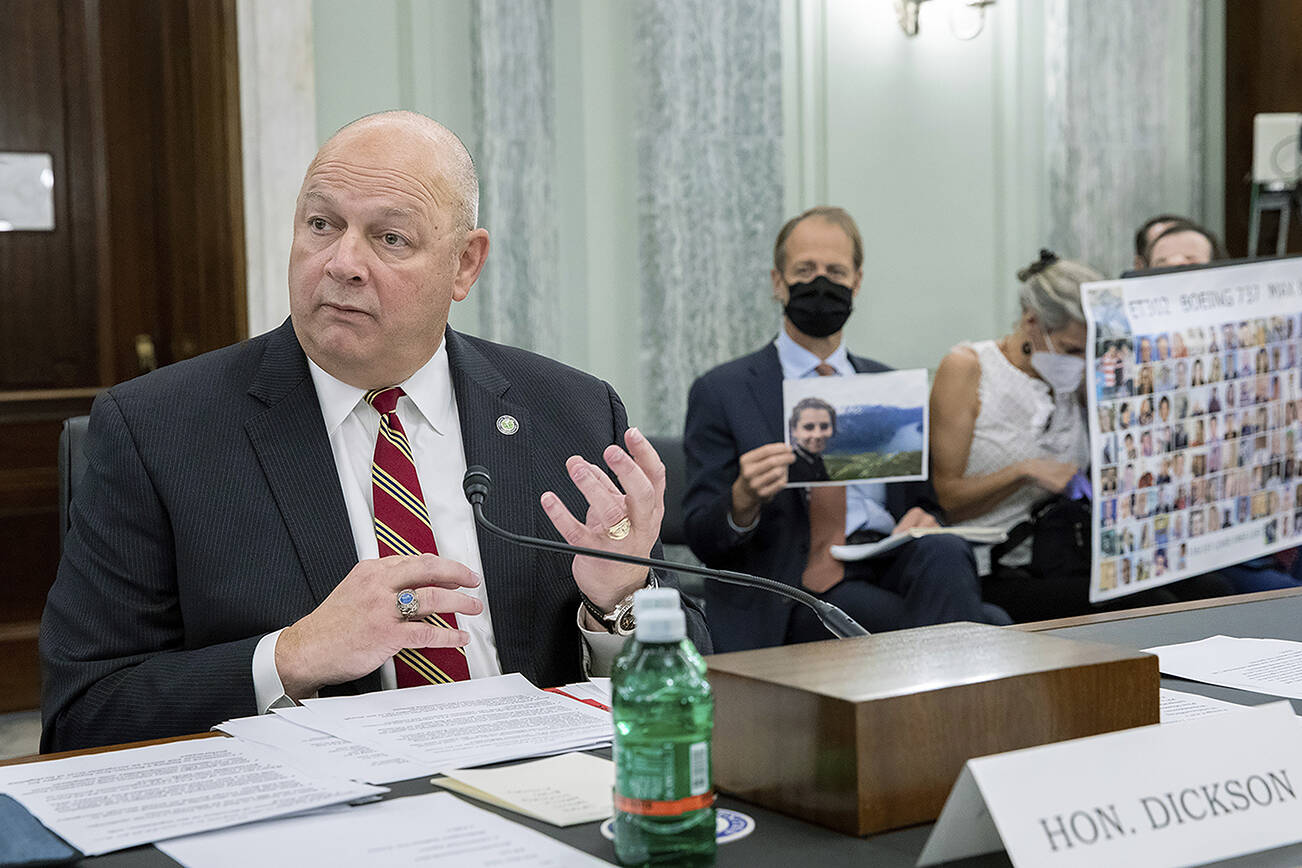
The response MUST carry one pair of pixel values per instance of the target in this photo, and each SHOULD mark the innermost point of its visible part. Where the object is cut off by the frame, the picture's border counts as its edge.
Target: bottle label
(650, 808)
(662, 779)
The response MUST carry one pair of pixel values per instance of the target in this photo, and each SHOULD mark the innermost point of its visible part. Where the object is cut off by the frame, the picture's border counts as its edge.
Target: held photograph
(864, 428)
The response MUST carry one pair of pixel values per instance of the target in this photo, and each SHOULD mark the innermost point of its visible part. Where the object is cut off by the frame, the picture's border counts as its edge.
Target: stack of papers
(469, 723)
(107, 801)
(396, 735)
(306, 758)
(289, 733)
(595, 692)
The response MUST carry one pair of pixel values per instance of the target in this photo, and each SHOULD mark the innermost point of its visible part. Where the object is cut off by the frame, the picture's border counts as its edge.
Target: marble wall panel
(514, 144)
(1113, 69)
(710, 187)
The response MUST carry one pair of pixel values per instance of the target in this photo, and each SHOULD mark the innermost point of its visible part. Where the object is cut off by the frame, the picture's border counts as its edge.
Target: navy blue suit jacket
(211, 514)
(731, 410)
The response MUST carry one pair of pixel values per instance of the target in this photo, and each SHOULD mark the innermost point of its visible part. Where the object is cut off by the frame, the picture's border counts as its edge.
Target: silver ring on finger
(619, 529)
(408, 608)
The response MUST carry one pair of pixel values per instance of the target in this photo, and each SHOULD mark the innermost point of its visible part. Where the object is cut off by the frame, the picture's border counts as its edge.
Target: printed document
(1178, 706)
(467, 723)
(1270, 666)
(436, 829)
(107, 801)
(312, 749)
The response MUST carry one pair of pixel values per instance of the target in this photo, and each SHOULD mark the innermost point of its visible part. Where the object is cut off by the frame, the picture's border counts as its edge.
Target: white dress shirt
(428, 412)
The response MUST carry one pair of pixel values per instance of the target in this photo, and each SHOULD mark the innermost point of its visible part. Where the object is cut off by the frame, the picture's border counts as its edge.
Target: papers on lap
(107, 801)
(391, 833)
(863, 551)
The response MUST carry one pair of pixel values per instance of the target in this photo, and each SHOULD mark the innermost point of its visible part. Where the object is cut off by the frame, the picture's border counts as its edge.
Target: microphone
(477, 484)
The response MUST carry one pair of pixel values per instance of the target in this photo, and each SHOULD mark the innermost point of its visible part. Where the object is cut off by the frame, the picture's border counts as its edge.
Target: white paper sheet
(863, 551)
(562, 790)
(435, 829)
(1270, 666)
(312, 749)
(107, 801)
(1178, 706)
(596, 690)
(468, 723)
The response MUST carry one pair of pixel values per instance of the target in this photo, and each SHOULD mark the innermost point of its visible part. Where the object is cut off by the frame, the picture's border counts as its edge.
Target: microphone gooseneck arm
(477, 485)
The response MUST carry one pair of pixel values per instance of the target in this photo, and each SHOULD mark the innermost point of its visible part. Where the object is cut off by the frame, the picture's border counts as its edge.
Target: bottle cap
(661, 625)
(655, 598)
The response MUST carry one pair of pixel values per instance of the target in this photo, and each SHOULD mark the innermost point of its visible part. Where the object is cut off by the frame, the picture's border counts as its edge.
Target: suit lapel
(765, 385)
(509, 569)
(290, 440)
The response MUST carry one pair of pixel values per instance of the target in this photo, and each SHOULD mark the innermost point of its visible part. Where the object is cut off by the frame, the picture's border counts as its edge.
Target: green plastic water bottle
(664, 718)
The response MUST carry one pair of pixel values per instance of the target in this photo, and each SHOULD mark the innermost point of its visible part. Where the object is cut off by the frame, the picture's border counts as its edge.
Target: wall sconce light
(966, 19)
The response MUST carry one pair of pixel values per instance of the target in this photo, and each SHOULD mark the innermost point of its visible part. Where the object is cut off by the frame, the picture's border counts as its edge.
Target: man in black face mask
(738, 512)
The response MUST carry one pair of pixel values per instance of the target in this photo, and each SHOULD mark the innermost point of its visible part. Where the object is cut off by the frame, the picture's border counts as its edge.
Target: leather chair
(72, 466)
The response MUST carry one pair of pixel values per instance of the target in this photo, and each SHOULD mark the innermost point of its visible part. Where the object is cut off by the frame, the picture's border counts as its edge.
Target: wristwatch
(619, 621)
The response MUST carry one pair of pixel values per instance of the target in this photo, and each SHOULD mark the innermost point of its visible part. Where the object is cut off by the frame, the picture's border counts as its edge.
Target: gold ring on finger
(619, 529)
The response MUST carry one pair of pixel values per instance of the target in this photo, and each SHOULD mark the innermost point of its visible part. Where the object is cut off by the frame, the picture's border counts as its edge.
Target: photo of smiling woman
(812, 423)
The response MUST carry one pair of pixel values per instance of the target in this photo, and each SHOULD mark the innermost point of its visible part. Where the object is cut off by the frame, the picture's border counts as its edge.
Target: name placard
(1182, 794)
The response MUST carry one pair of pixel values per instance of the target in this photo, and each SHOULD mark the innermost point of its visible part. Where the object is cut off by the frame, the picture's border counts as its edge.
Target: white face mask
(1062, 372)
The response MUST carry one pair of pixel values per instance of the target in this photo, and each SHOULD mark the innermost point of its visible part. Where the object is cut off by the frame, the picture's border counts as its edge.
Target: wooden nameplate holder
(867, 734)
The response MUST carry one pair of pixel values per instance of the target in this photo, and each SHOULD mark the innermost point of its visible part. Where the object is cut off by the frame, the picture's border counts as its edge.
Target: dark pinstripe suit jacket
(211, 514)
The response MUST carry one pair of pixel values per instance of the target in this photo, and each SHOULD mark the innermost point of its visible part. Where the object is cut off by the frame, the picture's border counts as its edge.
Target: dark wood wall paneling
(47, 332)
(171, 108)
(1263, 73)
(138, 101)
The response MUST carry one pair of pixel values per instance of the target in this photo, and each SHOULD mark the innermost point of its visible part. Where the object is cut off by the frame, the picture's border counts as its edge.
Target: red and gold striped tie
(402, 528)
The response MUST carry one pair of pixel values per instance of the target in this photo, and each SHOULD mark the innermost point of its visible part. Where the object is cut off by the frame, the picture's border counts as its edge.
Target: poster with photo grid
(1194, 400)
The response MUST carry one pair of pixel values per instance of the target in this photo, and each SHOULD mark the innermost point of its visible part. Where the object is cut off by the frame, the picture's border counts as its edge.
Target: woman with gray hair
(1008, 431)
(1007, 416)
(1007, 420)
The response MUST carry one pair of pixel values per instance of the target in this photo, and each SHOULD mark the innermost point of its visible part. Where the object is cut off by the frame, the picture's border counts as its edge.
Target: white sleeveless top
(1019, 419)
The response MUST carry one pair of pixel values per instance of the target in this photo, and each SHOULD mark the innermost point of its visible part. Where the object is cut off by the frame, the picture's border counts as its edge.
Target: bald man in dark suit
(222, 558)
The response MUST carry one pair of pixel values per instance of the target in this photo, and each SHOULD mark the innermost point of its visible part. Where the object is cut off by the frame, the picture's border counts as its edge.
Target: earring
(1026, 348)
